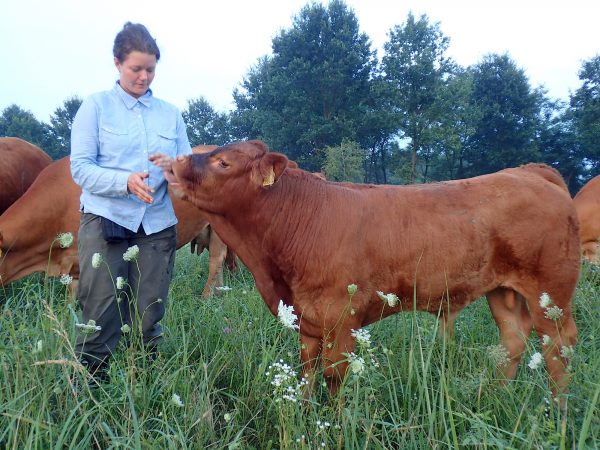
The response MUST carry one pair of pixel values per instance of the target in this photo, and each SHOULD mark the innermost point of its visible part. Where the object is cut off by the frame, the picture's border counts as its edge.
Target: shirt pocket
(113, 139)
(167, 142)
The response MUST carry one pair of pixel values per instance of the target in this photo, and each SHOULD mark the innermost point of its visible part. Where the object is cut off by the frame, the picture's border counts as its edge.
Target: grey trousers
(140, 304)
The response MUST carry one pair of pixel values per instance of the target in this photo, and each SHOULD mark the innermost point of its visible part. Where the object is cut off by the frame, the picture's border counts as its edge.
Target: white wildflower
(546, 340)
(352, 288)
(227, 417)
(65, 240)
(223, 288)
(88, 328)
(39, 345)
(545, 300)
(176, 400)
(535, 361)
(390, 299)
(286, 315)
(553, 313)
(357, 364)
(125, 329)
(66, 279)
(567, 352)
(362, 337)
(131, 254)
(96, 260)
(286, 386)
(120, 283)
(499, 355)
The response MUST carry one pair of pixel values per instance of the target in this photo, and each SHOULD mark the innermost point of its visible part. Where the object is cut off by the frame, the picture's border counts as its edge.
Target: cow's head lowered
(246, 168)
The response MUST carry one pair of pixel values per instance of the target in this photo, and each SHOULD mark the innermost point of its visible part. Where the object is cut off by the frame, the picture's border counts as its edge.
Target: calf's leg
(310, 352)
(514, 322)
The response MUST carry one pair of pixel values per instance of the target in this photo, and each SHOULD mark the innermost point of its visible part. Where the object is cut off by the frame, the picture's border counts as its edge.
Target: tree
(416, 69)
(205, 126)
(585, 110)
(313, 91)
(16, 122)
(345, 162)
(60, 128)
(508, 117)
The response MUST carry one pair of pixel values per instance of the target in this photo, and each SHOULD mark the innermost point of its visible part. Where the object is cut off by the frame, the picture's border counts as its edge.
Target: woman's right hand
(137, 187)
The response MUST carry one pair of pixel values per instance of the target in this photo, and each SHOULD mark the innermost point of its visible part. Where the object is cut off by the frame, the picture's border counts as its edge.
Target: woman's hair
(134, 37)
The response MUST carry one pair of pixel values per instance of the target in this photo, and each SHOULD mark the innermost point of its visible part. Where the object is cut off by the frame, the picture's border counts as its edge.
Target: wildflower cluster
(284, 382)
(286, 316)
(65, 240)
(352, 288)
(88, 328)
(499, 355)
(222, 288)
(66, 279)
(362, 337)
(97, 260)
(132, 253)
(553, 312)
(567, 352)
(176, 400)
(357, 363)
(390, 299)
(120, 283)
(535, 361)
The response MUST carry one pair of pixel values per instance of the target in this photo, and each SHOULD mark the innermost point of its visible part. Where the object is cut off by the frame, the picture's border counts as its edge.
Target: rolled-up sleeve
(85, 146)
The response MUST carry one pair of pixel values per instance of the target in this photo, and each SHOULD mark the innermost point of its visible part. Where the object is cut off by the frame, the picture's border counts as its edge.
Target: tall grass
(418, 390)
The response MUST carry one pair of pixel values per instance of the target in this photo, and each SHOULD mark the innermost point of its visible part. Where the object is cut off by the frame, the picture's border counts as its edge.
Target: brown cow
(51, 206)
(511, 236)
(21, 164)
(587, 205)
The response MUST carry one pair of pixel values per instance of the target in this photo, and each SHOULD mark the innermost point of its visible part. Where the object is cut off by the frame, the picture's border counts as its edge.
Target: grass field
(212, 385)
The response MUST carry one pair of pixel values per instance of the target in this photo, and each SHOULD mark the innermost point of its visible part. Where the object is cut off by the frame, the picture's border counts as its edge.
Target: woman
(121, 141)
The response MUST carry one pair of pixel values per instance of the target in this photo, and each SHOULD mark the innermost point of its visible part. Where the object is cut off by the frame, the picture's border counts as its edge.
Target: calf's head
(228, 177)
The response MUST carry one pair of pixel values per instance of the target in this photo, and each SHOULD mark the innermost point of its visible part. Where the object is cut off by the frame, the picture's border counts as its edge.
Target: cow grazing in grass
(28, 229)
(510, 236)
(587, 205)
(21, 162)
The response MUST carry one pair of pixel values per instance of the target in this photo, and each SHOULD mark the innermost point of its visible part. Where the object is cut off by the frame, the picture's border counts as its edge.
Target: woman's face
(136, 72)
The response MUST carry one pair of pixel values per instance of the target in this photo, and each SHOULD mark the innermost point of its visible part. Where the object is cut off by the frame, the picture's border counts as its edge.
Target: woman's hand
(161, 160)
(165, 162)
(137, 187)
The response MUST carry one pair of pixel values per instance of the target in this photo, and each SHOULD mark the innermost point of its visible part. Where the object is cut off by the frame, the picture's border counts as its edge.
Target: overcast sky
(53, 49)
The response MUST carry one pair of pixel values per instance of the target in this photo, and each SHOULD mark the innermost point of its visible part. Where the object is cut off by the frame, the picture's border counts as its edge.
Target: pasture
(227, 378)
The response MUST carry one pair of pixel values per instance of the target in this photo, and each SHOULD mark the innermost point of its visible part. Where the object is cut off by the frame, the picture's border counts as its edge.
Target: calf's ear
(270, 168)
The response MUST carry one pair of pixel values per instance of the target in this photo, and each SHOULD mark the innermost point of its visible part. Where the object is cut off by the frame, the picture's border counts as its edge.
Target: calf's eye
(223, 164)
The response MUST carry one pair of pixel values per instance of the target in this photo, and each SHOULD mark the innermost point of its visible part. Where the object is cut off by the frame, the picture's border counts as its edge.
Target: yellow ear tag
(270, 178)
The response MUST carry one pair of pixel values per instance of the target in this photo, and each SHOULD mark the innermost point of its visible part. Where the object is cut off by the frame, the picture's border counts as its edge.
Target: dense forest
(325, 99)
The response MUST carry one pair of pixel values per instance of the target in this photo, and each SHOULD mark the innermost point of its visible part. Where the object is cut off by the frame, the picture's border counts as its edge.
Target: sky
(53, 50)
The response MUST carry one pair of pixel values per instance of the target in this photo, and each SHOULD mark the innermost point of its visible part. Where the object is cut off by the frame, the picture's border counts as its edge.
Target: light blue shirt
(112, 136)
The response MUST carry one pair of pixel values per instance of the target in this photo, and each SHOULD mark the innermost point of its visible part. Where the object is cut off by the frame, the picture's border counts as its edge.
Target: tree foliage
(416, 69)
(59, 135)
(345, 162)
(312, 92)
(585, 108)
(508, 117)
(16, 122)
(205, 126)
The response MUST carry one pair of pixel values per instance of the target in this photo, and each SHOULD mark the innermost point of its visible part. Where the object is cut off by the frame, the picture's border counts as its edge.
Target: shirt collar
(130, 101)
